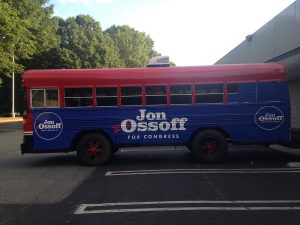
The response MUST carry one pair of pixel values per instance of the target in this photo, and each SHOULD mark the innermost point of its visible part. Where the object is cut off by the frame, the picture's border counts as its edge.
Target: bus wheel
(94, 149)
(209, 146)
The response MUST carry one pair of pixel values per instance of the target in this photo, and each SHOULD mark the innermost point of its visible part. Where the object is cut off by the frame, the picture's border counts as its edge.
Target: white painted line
(83, 209)
(188, 209)
(293, 164)
(193, 202)
(202, 171)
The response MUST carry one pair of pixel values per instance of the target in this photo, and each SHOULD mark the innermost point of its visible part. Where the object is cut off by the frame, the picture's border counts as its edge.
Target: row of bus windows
(157, 95)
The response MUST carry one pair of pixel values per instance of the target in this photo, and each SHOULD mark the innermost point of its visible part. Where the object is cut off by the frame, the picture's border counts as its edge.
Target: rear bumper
(295, 138)
(27, 145)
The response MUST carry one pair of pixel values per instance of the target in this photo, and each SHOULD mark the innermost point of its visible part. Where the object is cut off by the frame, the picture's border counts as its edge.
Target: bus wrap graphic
(96, 112)
(269, 118)
(151, 122)
(48, 126)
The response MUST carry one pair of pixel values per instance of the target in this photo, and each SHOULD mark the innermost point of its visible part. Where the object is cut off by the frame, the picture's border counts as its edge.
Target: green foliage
(36, 39)
(82, 36)
(55, 58)
(9, 33)
(26, 28)
(135, 48)
(111, 53)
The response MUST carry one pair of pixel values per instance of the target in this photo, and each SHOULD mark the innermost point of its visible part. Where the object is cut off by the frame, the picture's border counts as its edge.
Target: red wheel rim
(94, 149)
(209, 145)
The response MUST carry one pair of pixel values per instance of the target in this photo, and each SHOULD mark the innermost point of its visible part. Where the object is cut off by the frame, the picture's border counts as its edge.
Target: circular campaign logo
(269, 118)
(48, 126)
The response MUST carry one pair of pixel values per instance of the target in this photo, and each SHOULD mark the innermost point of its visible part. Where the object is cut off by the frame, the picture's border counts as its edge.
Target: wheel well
(200, 129)
(78, 136)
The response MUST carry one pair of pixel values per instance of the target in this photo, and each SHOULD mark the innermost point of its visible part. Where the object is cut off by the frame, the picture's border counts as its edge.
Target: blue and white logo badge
(48, 126)
(269, 118)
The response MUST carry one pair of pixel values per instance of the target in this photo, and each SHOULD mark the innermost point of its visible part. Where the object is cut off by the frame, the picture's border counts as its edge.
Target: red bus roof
(155, 75)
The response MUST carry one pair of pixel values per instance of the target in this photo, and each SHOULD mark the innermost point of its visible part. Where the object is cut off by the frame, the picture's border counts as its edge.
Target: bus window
(131, 95)
(37, 98)
(232, 88)
(232, 92)
(52, 98)
(181, 94)
(156, 95)
(78, 97)
(107, 96)
(270, 91)
(209, 93)
(44, 98)
(241, 92)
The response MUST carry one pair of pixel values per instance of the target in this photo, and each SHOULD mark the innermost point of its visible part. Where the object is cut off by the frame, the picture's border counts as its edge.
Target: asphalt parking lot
(161, 185)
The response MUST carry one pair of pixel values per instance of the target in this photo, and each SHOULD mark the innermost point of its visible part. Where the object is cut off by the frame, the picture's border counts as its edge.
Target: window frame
(132, 85)
(78, 87)
(108, 86)
(219, 93)
(156, 85)
(44, 89)
(236, 93)
(178, 84)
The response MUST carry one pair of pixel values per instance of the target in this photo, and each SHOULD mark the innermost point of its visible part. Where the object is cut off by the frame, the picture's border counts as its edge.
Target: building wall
(276, 38)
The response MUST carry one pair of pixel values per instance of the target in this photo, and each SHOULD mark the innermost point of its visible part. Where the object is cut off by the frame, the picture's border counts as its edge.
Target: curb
(9, 120)
(292, 151)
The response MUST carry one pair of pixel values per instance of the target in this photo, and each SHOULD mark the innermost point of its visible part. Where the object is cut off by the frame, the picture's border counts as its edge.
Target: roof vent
(249, 37)
(159, 61)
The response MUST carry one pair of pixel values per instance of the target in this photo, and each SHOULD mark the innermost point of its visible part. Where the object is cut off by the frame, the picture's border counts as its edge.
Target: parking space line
(6, 129)
(244, 205)
(194, 202)
(203, 171)
(293, 164)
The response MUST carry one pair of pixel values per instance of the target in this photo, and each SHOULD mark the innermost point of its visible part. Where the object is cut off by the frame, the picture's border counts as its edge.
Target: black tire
(189, 147)
(94, 149)
(209, 146)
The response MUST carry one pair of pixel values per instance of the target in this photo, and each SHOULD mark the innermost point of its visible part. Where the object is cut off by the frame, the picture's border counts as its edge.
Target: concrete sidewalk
(292, 151)
(10, 119)
(10, 141)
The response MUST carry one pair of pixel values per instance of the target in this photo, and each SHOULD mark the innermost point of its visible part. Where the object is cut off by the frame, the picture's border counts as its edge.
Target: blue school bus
(96, 111)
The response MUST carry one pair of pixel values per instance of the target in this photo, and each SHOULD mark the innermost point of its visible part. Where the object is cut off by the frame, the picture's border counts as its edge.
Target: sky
(190, 32)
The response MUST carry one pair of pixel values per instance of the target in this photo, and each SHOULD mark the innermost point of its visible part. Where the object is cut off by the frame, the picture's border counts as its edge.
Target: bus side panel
(252, 123)
(55, 129)
(255, 123)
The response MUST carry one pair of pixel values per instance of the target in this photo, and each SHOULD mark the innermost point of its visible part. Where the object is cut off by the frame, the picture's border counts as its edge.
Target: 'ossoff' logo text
(269, 118)
(152, 121)
(48, 126)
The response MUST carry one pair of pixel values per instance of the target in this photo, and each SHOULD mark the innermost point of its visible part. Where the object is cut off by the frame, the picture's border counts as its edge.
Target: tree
(83, 37)
(26, 28)
(135, 48)
(55, 58)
